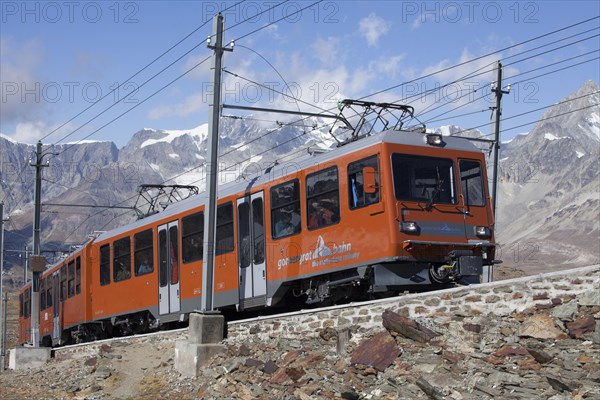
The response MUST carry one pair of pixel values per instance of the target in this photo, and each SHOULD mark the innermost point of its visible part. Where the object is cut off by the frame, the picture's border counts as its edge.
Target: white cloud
(326, 50)
(29, 132)
(19, 64)
(201, 71)
(388, 65)
(373, 27)
(196, 102)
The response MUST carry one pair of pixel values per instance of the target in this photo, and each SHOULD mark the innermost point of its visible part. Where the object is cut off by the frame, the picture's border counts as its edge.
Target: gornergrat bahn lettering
(378, 215)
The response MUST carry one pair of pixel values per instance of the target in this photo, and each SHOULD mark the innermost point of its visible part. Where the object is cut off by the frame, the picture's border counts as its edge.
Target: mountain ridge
(548, 188)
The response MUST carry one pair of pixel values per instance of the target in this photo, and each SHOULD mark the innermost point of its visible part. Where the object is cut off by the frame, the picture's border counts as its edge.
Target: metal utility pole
(215, 42)
(3, 306)
(497, 89)
(37, 263)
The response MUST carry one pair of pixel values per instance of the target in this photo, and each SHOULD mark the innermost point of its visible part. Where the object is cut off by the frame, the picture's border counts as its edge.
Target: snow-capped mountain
(98, 173)
(548, 207)
(549, 192)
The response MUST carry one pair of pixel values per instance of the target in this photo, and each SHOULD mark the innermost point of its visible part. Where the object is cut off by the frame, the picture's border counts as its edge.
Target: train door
(251, 250)
(474, 199)
(168, 268)
(56, 328)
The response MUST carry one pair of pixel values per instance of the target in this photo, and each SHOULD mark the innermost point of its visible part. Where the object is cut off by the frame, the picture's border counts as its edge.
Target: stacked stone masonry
(486, 301)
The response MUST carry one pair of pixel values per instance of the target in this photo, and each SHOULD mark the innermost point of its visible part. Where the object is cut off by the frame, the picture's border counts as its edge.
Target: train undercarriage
(385, 279)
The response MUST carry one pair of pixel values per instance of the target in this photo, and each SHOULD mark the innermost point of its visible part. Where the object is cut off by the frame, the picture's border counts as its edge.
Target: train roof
(395, 137)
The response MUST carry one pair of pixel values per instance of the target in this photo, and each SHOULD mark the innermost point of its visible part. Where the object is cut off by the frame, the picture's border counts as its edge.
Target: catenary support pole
(497, 89)
(3, 305)
(36, 273)
(212, 166)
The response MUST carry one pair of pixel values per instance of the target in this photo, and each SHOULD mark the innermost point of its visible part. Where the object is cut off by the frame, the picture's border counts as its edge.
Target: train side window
(192, 237)
(21, 305)
(143, 258)
(162, 258)
(105, 265)
(224, 239)
(471, 182)
(27, 303)
(42, 294)
(258, 230)
(174, 243)
(78, 275)
(285, 209)
(63, 283)
(71, 281)
(49, 287)
(323, 198)
(122, 259)
(358, 195)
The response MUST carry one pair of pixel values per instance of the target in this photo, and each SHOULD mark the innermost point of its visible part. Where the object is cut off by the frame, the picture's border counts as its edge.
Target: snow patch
(241, 147)
(199, 133)
(85, 142)
(155, 167)
(445, 130)
(593, 130)
(173, 155)
(3, 136)
(551, 137)
(579, 154)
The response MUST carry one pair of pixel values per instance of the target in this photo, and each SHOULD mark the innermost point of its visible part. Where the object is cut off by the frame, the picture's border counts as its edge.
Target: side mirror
(369, 179)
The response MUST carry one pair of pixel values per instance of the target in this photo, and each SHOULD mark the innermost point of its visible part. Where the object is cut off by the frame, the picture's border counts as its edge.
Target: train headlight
(435, 139)
(409, 227)
(483, 232)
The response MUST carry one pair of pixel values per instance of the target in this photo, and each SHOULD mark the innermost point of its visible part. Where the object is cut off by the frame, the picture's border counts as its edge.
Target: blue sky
(57, 58)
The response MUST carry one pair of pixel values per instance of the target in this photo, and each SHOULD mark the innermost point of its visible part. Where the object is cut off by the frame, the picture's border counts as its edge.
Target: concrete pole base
(28, 357)
(191, 357)
(205, 333)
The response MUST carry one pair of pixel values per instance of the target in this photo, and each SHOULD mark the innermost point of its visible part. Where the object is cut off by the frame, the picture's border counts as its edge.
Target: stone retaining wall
(489, 300)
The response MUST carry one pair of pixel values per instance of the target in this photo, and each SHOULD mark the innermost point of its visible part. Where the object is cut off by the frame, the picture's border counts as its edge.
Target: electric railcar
(392, 210)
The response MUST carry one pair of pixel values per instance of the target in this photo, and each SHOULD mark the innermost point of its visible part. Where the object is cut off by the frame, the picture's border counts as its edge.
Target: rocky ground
(550, 351)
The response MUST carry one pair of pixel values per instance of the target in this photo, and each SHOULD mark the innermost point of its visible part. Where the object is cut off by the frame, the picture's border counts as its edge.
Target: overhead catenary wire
(536, 110)
(522, 73)
(124, 82)
(472, 60)
(178, 59)
(137, 73)
(531, 39)
(483, 95)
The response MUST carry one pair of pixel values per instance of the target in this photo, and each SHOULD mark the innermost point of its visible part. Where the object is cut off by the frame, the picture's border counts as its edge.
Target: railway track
(240, 319)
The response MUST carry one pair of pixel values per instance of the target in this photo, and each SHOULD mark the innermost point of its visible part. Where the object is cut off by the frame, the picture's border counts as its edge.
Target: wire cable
(137, 73)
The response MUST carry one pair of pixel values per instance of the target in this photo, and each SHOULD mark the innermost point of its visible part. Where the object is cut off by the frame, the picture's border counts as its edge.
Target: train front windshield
(424, 179)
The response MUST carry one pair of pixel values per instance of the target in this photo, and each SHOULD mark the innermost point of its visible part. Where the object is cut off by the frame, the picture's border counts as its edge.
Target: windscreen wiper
(436, 192)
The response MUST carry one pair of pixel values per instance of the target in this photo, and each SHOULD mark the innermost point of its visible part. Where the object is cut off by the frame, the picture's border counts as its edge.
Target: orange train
(392, 210)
